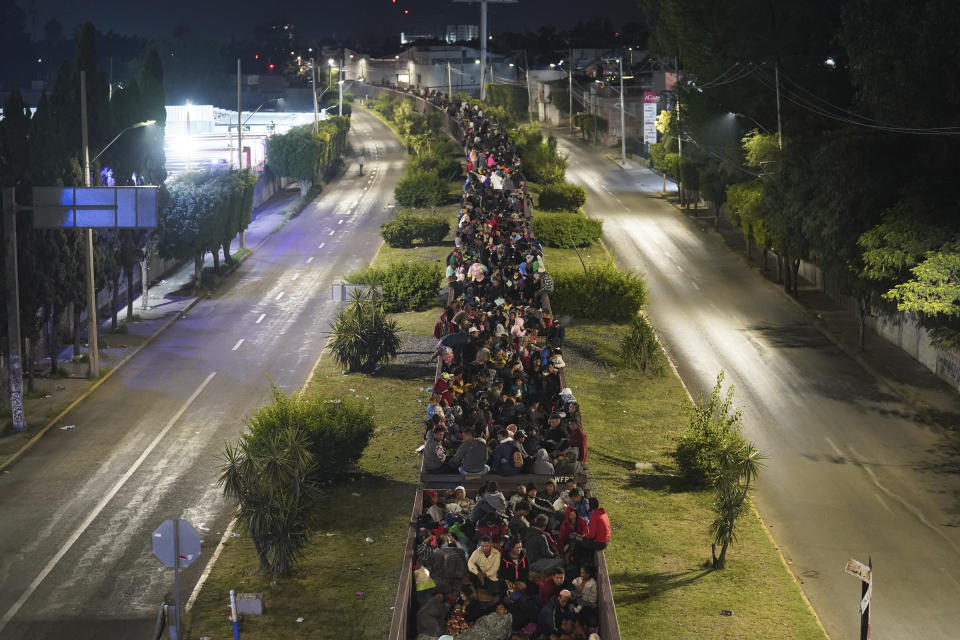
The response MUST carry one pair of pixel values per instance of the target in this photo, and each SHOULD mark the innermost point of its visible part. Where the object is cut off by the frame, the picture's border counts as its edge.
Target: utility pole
(570, 87)
(341, 74)
(623, 120)
(239, 120)
(526, 72)
(450, 82)
(93, 368)
(316, 109)
(189, 142)
(483, 40)
(14, 368)
(776, 75)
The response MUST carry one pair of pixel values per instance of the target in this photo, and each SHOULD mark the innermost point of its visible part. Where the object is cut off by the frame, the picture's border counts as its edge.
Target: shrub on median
(420, 188)
(561, 196)
(604, 292)
(408, 228)
(411, 286)
(566, 230)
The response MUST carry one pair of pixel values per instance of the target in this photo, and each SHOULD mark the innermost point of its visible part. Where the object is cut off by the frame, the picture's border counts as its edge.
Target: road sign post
(176, 544)
(14, 369)
(865, 573)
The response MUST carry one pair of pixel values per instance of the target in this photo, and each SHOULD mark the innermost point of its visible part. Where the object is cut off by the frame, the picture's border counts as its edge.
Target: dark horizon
(238, 20)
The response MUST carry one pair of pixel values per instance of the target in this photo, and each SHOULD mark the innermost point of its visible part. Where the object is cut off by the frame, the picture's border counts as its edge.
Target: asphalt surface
(79, 508)
(850, 473)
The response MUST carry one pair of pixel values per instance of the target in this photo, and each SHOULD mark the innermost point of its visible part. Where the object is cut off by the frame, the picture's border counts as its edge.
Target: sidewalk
(934, 401)
(168, 300)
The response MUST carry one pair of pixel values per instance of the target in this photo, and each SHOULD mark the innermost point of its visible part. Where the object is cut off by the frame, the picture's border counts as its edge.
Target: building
(431, 67)
(462, 33)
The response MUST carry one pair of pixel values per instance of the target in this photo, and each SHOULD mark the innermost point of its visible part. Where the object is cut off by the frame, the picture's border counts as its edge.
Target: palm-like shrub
(270, 480)
(362, 335)
(640, 348)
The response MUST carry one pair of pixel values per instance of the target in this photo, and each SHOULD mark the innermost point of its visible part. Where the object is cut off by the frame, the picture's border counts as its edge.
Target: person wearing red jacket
(596, 538)
(577, 437)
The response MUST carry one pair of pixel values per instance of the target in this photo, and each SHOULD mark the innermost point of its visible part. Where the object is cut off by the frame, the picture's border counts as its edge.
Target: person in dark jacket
(513, 564)
(432, 616)
(471, 456)
(554, 613)
(540, 552)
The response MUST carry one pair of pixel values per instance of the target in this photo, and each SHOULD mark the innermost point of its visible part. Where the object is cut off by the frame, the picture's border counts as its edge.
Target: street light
(742, 115)
(145, 123)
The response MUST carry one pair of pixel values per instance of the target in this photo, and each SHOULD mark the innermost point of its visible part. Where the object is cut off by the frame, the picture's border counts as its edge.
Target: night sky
(319, 18)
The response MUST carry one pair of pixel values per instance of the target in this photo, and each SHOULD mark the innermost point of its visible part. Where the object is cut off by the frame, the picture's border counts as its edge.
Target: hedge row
(566, 230)
(604, 292)
(561, 196)
(410, 286)
(407, 228)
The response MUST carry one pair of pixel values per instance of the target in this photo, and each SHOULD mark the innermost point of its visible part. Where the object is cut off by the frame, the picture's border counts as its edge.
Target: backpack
(517, 459)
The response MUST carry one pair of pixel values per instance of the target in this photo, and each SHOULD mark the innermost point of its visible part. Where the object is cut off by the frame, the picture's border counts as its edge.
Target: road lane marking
(260, 319)
(310, 259)
(695, 285)
(656, 242)
(906, 504)
(835, 448)
(8, 616)
(296, 275)
(667, 253)
(340, 221)
(280, 296)
(333, 232)
(883, 503)
(679, 268)
(321, 245)
(237, 346)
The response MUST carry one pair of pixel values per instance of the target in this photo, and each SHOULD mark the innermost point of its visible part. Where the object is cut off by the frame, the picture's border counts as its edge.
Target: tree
(296, 154)
(739, 464)
(270, 480)
(362, 335)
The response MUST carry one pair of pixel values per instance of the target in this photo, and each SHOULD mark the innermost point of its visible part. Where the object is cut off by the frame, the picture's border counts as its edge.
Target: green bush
(336, 432)
(715, 427)
(566, 229)
(362, 335)
(406, 286)
(640, 348)
(542, 162)
(419, 188)
(447, 167)
(408, 228)
(562, 196)
(604, 292)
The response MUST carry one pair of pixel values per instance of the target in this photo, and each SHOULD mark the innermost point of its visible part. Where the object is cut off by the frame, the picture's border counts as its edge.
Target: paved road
(78, 510)
(849, 474)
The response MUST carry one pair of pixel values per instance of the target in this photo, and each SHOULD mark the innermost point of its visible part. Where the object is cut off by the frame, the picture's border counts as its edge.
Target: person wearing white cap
(555, 612)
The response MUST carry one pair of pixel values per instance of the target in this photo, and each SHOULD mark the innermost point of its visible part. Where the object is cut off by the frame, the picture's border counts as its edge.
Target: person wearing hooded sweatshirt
(541, 463)
(597, 536)
(513, 564)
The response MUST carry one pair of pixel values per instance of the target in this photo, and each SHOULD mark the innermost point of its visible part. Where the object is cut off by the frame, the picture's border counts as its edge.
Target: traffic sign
(865, 602)
(859, 570)
(165, 546)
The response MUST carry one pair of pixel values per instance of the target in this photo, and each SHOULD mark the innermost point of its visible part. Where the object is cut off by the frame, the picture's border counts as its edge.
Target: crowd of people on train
(491, 566)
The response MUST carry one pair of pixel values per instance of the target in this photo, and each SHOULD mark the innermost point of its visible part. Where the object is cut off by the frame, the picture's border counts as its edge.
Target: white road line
(260, 319)
(237, 346)
(655, 241)
(340, 221)
(296, 275)
(666, 253)
(695, 285)
(333, 232)
(280, 295)
(679, 268)
(321, 245)
(310, 259)
(209, 567)
(952, 579)
(883, 503)
(835, 448)
(8, 616)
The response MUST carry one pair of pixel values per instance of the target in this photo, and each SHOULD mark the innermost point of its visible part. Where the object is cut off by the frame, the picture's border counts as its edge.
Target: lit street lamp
(145, 123)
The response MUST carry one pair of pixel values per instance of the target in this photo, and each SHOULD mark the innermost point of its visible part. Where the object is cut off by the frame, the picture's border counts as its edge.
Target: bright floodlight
(830, 62)
(331, 62)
